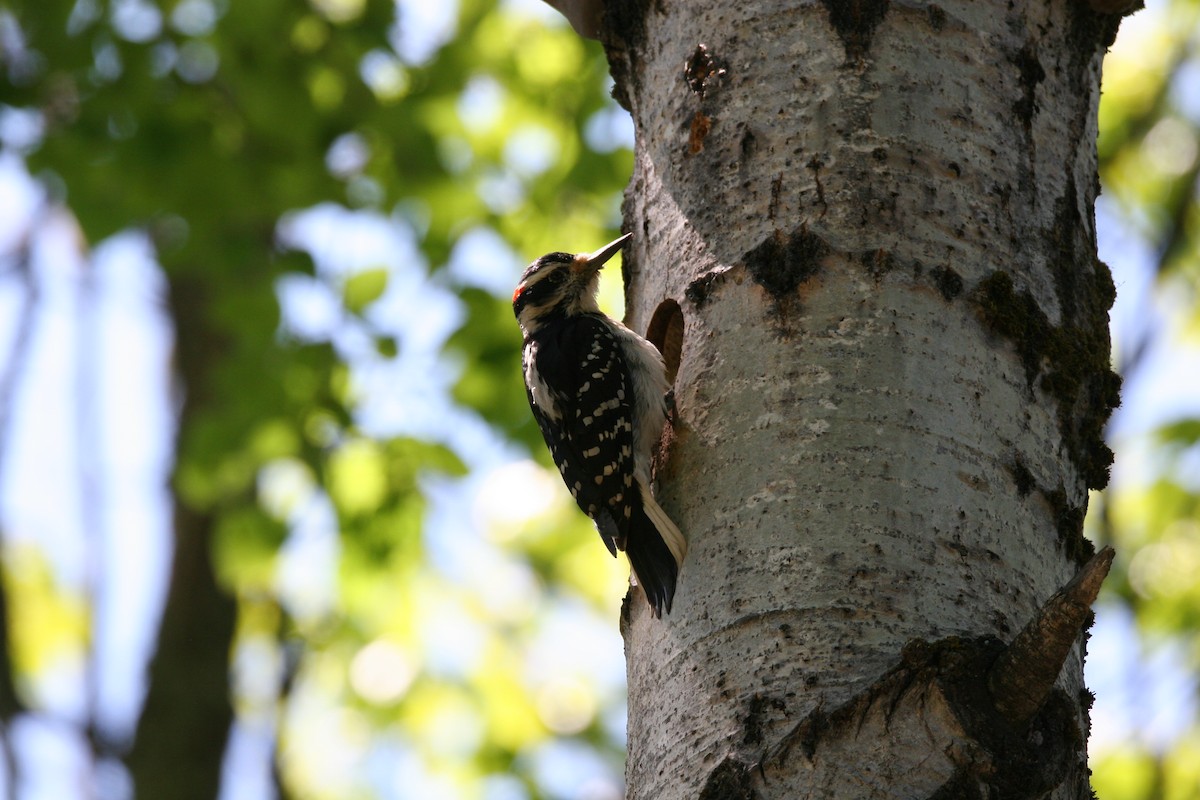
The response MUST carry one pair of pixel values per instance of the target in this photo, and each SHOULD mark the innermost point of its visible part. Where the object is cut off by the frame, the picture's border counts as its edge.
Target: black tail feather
(652, 562)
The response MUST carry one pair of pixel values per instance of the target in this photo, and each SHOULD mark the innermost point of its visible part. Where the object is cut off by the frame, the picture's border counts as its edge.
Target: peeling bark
(892, 380)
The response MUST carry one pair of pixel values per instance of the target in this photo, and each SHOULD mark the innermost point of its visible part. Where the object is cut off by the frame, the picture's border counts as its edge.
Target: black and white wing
(589, 430)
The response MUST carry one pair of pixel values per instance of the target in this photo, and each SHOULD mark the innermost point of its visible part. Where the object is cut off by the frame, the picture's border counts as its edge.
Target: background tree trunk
(872, 225)
(184, 727)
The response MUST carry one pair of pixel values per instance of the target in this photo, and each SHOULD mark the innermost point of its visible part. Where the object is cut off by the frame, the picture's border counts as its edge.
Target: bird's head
(558, 285)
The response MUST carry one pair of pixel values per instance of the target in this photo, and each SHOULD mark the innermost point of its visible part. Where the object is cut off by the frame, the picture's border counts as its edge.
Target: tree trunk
(184, 726)
(864, 237)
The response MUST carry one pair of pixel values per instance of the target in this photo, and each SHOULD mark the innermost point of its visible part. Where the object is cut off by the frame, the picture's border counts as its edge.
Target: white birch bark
(877, 221)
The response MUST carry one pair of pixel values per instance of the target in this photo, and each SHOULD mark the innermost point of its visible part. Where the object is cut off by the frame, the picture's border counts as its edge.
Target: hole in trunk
(666, 333)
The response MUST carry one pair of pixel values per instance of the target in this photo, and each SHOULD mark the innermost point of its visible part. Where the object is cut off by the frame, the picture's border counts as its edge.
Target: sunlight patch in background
(515, 494)
(382, 671)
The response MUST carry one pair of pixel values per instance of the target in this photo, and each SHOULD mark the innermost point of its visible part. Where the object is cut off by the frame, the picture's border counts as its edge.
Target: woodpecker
(597, 391)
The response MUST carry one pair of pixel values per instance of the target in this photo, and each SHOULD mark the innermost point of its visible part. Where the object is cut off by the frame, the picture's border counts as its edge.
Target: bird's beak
(594, 261)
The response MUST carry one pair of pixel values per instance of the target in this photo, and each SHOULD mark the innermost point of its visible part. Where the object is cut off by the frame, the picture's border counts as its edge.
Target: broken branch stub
(584, 15)
(1025, 672)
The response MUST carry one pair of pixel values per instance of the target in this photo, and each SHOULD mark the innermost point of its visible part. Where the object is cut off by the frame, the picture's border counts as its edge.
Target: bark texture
(872, 223)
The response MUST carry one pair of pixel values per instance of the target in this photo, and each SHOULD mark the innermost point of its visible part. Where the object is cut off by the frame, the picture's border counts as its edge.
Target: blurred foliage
(1147, 140)
(417, 669)
(1149, 147)
(48, 625)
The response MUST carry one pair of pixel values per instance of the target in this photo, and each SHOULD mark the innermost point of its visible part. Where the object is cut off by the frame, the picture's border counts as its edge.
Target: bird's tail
(656, 549)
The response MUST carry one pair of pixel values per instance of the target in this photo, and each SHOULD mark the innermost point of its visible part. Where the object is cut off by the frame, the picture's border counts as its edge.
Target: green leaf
(247, 543)
(410, 457)
(364, 288)
(1185, 432)
(387, 346)
(357, 477)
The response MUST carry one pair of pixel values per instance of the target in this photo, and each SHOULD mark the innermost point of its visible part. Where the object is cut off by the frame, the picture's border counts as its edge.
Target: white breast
(649, 378)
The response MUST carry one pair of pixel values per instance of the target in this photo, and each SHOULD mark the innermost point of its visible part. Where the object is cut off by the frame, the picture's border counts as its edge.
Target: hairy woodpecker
(597, 391)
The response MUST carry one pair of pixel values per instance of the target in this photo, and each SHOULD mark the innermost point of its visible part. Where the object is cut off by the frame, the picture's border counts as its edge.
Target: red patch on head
(517, 292)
